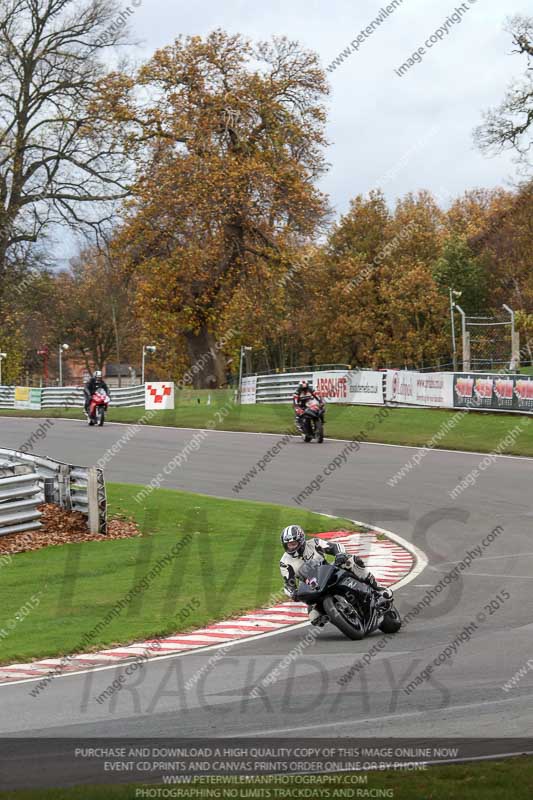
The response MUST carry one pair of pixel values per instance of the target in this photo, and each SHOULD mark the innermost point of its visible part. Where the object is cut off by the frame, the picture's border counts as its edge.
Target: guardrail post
(63, 485)
(92, 498)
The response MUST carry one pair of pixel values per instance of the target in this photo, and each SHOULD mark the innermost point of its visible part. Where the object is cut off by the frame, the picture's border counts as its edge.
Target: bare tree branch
(58, 161)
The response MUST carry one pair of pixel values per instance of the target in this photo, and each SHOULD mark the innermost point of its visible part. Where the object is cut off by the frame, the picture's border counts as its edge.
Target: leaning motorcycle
(311, 419)
(98, 408)
(349, 604)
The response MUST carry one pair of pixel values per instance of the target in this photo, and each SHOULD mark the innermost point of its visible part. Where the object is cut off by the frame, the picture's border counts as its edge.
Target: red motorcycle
(98, 407)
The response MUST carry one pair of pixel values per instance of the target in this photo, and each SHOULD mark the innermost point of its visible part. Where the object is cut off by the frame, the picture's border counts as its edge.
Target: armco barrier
(279, 388)
(73, 488)
(21, 493)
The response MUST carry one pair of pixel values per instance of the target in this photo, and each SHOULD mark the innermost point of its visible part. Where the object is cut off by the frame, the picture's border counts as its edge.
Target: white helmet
(293, 540)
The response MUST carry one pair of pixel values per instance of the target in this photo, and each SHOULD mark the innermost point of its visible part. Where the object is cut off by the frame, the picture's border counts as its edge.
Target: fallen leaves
(60, 527)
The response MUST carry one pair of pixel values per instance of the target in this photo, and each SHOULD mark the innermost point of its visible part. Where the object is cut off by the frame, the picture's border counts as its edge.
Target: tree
(459, 269)
(58, 162)
(229, 140)
(510, 125)
(375, 302)
(93, 309)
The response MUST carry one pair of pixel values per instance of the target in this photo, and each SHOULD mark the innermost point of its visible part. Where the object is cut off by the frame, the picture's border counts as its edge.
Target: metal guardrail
(279, 388)
(72, 397)
(72, 487)
(21, 493)
(7, 396)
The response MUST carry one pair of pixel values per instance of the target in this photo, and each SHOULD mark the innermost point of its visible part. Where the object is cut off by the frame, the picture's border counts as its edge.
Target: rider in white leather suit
(298, 550)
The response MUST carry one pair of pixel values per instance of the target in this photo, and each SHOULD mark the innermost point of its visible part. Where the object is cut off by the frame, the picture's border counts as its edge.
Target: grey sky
(402, 133)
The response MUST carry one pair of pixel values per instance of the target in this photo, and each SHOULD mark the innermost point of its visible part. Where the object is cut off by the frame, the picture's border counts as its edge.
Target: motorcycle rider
(303, 393)
(298, 550)
(92, 385)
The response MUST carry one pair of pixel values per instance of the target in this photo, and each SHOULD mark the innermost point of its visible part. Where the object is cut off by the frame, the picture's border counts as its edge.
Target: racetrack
(464, 695)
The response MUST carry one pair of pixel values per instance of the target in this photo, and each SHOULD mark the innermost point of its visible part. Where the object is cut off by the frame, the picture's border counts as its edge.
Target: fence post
(466, 351)
(63, 485)
(92, 500)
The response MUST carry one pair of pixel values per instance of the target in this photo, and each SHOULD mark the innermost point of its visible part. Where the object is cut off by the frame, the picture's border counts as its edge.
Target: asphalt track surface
(464, 695)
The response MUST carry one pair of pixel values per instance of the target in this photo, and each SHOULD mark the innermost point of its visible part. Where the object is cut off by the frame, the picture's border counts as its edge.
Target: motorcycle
(98, 407)
(310, 420)
(348, 604)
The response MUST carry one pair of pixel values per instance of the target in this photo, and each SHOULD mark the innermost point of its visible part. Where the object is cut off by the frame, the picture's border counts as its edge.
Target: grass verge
(479, 431)
(510, 779)
(227, 564)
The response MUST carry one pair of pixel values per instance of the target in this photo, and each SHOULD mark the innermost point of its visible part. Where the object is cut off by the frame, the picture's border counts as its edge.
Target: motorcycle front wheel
(343, 616)
(101, 416)
(392, 622)
(320, 431)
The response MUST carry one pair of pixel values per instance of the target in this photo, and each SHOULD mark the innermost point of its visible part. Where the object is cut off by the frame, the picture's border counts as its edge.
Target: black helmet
(293, 540)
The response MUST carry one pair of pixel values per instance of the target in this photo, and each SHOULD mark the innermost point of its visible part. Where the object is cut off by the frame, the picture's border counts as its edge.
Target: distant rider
(303, 393)
(92, 385)
(298, 550)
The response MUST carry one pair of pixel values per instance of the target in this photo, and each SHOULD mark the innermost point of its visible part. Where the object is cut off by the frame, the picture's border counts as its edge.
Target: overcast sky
(400, 133)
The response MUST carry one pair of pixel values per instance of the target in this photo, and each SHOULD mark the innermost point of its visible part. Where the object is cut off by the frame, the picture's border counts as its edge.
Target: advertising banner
(497, 392)
(355, 386)
(248, 390)
(27, 398)
(159, 396)
(420, 388)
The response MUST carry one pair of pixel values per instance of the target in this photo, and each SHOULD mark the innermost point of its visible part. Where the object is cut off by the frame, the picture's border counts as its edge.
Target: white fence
(72, 397)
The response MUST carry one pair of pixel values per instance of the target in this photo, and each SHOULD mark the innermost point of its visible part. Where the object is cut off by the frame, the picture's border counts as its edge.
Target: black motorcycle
(312, 421)
(349, 604)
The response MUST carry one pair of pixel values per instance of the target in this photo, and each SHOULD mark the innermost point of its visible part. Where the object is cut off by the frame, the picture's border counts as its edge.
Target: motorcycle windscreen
(314, 578)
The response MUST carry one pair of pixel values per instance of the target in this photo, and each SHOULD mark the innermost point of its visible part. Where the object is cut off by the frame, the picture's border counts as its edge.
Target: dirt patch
(64, 527)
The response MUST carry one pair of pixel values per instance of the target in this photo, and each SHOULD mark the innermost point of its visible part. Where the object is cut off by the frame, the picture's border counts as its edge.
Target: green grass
(511, 779)
(230, 565)
(479, 431)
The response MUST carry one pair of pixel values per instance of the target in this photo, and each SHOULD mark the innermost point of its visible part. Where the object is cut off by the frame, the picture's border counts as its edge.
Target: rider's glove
(340, 559)
(359, 562)
(290, 590)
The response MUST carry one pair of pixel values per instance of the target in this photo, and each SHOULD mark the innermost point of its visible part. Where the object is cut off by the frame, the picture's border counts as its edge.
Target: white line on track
(488, 558)
(404, 715)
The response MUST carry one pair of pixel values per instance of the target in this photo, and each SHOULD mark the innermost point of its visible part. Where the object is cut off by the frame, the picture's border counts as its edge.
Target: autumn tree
(58, 161)
(93, 310)
(376, 302)
(228, 137)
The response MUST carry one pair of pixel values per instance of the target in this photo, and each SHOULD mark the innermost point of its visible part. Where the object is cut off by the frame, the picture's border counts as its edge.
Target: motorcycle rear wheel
(337, 618)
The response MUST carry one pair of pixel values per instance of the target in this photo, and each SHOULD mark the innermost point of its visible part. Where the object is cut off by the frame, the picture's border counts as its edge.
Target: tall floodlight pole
(243, 351)
(147, 348)
(466, 360)
(62, 348)
(454, 345)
